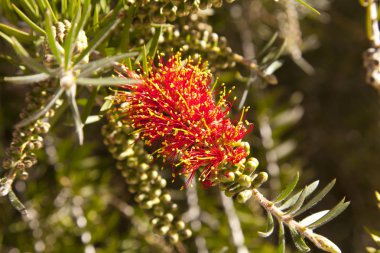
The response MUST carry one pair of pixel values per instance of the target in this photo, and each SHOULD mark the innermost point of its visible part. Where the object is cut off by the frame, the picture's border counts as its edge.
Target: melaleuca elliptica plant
(171, 114)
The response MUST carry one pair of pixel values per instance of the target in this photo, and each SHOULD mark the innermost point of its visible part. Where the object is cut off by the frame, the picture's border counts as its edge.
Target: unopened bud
(261, 178)
(243, 196)
(251, 164)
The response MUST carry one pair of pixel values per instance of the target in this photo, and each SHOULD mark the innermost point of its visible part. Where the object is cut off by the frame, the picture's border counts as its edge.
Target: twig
(318, 240)
(194, 215)
(234, 223)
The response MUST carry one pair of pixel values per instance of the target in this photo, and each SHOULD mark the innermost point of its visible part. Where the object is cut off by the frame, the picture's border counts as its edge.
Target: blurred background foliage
(322, 121)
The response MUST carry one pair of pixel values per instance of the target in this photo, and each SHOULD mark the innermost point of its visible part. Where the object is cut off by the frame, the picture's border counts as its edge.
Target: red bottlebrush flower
(174, 107)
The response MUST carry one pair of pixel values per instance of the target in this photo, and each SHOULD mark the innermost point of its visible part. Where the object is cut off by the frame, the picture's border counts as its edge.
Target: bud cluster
(20, 156)
(238, 180)
(198, 39)
(160, 11)
(144, 180)
(372, 64)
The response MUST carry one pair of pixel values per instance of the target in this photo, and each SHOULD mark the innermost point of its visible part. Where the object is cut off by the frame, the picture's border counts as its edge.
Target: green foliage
(71, 47)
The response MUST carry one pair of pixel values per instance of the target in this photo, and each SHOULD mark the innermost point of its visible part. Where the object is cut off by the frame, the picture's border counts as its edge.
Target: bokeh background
(78, 201)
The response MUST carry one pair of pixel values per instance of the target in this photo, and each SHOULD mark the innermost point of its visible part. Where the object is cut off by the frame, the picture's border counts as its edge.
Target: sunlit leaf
(297, 205)
(270, 226)
(338, 209)
(104, 63)
(106, 81)
(27, 20)
(20, 35)
(316, 198)
(288, 190)
(299, 242)
(313, 218)
(26, 79)
(292, 200)
(281, 238)
(55, 48)
(99, 37)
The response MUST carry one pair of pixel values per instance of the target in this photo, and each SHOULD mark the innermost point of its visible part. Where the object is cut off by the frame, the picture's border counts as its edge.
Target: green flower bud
(261, 178)
(251, 165)
(243, 196)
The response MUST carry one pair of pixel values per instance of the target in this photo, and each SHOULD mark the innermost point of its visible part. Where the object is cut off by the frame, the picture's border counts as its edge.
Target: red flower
(174, 107)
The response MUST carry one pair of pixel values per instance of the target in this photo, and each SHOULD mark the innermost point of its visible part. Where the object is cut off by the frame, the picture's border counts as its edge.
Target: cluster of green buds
(239, 180)
(160, 11)
(198, 39)
(144, 180)
(20, 156)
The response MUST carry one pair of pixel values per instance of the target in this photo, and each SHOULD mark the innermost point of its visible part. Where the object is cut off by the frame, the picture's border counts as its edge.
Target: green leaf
(90, 68)
(297, 205)
(55, 47)
(338, 209)
(106, 81)
(16, 203)
(24, 56)
(299, 242)
(124, 42)
(75, 113)
(27, 20)
(107, 105)
(270, 226)
(145, 60)
(41, 112)
(84, 17)
(292, 200)
(99, 37)
(63, 6)
(70, 39)
(268, 45)
(20, 35)
(92, 119)
(288, 190)
(26, 79)
(316, 198)
(309, 6)
(31, 8)
(90, 104)
(281, 237)
(153, 43)
(47, 7)
(313, 218)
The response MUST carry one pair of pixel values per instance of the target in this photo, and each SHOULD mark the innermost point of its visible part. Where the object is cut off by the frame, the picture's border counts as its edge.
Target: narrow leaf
(41, 112)
(49, 8)
(338, 209)
(71, 38)
(92, 119)
(90, 68)
(316, 198)
(90, 104)
(292, 200)
(309, 6)
(313, 218)
(106, 81)
(20, 35)
(75, 111)
(297, 205)
(281, 237)
(299, 242)
(99, 37)
(84, 17)
(152, 49)
(55, 48)
(16, 203)
(27, 20)
(26, 79)
(270, 226)
(288, 190)
(31, 8)
(107, 105)
(268, 45)
(145, 60)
